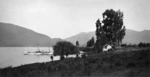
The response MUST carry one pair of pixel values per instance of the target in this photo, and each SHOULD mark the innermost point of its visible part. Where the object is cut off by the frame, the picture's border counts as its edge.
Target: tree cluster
(142, 44)
(111, 29)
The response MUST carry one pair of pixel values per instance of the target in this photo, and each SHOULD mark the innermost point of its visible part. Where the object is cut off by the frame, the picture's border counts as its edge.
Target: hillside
(131, 37)
(81, 37)
(135, 37)
(13, 35)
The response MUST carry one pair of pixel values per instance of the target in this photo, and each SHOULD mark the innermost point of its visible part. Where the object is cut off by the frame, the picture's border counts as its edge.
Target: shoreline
(127, 64)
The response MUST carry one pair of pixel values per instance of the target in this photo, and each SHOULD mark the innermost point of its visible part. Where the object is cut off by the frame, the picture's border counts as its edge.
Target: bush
(142, 44)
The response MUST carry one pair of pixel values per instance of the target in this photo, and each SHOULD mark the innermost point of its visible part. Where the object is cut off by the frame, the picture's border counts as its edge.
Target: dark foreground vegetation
(132, 63)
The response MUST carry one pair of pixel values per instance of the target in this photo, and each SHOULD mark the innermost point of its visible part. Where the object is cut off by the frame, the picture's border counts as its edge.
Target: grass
(134, 63)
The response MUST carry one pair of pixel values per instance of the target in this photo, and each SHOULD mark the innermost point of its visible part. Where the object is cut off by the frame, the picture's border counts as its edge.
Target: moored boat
(38, 53)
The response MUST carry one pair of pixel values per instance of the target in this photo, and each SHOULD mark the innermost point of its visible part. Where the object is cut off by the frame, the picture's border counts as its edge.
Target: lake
(14, 56)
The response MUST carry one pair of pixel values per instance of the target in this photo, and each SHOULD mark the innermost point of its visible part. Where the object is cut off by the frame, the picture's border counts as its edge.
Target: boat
(39, 52)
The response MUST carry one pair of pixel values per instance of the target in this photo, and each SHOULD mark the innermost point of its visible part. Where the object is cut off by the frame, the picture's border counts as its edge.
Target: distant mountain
(131, 37)
(135, 37)
(81, 37)
(13, 35)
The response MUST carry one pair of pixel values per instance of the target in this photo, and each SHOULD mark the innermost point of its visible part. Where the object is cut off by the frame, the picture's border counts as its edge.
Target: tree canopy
(113, 25)
(64, 48)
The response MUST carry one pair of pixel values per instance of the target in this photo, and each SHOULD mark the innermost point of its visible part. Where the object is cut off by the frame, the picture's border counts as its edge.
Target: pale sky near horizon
(65, 18)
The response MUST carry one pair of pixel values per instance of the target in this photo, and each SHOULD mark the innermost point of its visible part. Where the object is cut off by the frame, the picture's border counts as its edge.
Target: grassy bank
(134, 63)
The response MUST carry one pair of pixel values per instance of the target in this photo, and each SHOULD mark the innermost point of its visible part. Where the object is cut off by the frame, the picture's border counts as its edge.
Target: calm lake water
(14, 56)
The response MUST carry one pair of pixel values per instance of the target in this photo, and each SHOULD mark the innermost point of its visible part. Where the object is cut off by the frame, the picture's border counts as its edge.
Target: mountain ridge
(131, 37)
(16, 36)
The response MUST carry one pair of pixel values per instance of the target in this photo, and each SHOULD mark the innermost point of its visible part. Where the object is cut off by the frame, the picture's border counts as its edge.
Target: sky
(65, 18)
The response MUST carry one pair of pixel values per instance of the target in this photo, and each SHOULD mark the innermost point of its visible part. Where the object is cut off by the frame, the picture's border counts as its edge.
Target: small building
(107, 47)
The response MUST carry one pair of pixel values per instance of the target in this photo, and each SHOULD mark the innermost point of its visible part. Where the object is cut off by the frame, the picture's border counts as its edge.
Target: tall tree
(101, 39)
(98, 29)
(77, 43)
(113, 26)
